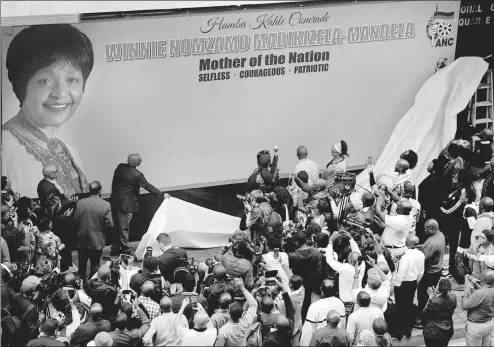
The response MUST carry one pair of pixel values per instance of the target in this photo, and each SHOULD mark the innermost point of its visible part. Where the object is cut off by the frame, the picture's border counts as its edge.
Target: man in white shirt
(410, 272)
(484, 222)
(397, 228)
(346, 271)
(378, 286)
(203, 333)
(307, 165)
(318, 312)
(363, 318)
(164, 327)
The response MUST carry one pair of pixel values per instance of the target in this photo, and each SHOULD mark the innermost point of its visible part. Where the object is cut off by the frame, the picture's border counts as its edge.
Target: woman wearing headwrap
(265, 176)
(48, 66)
(339, 151)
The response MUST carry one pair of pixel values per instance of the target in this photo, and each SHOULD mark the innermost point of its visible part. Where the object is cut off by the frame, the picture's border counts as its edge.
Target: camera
(354, 223)
(242, 198)
(348, 179)
(47, 286)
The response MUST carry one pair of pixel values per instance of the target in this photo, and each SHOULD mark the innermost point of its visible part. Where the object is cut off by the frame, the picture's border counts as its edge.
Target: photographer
(218, 288)
(24, 308)
(284, 324)
(259, 217)
(87, 332)
(237, 264)
(265, 177)
(149, 272)
(102, 291)
(305, 262)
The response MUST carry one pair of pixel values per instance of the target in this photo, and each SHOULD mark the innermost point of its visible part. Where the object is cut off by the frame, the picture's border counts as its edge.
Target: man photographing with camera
(266, 176)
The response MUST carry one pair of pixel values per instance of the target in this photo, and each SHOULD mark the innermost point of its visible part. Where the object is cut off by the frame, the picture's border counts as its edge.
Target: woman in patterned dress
(48, 247)
(48, 66)
(339, 151)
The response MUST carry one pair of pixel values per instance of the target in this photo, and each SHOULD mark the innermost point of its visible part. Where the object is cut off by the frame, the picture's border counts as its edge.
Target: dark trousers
(436, 342)
(66, 258)
(121, 227)
(404, 305)
(428, 280)
(453, 237)
(93, 256)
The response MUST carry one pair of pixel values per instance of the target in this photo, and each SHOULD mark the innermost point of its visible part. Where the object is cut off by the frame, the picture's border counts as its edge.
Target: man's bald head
(404, 207)
(333, 318)
(488, 277)
(486, 204)
(412, 242)
(50, 171)
(368, 199)
(166, 304)
(431, 227)
(402, 165)
(95, 188)
(201, 320)
(353, 258)
(487, 134)
(134, 160)
(363, 299)
(409, 189)
(302, 152)
(104, 272)
(219, 272)
(147, 289)
(267, 304)
(225, 301)
(96, 312)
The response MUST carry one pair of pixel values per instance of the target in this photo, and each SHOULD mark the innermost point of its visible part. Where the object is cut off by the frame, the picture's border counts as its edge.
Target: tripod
(344, 199)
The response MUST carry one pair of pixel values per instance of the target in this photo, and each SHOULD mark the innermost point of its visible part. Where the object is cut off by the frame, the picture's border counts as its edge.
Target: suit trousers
(93, 256)
(428, 280)
(121, 225)
(404, 295)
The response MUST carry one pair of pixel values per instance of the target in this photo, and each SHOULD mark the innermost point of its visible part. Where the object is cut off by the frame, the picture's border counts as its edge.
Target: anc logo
(440, 28)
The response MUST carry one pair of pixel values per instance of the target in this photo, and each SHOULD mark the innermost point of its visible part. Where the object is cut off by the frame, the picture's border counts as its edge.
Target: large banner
(197, 96)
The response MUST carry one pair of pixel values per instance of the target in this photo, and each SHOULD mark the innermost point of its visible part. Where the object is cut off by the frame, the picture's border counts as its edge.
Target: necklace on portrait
(52, 144)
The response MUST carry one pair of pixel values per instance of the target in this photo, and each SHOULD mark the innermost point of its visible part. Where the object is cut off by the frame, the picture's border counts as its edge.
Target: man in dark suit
(92, 219)
(86, 332)
(47, 185)
(124, 199)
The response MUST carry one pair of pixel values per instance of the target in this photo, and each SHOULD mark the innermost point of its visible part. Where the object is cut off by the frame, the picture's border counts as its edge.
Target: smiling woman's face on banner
(53, 94)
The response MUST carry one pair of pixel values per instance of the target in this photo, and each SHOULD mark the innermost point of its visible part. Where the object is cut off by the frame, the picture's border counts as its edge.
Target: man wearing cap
(47, 336)
(92, 219)
(264, 176)
(25, 310)
(124, 200)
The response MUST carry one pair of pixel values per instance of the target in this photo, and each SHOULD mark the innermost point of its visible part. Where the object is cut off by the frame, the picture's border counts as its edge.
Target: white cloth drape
(431, 122)
(189, 226)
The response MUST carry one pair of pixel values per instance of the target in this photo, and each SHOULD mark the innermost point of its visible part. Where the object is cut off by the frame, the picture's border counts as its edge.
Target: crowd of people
(313, 262)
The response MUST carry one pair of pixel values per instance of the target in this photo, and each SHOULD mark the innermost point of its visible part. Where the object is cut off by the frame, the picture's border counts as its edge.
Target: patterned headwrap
(263, 158)
(337, 147)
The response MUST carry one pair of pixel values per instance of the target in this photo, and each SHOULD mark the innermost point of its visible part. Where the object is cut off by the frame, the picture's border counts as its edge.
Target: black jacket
(138, 279)
(45, 189)
(105, 294)
(170, 260)
(127, 181)
(85, 333)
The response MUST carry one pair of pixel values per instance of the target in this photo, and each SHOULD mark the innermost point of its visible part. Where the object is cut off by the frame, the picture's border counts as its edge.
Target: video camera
(348, 179)
(242, 198)
(48, 285)
(114, 269)
(356, 224)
